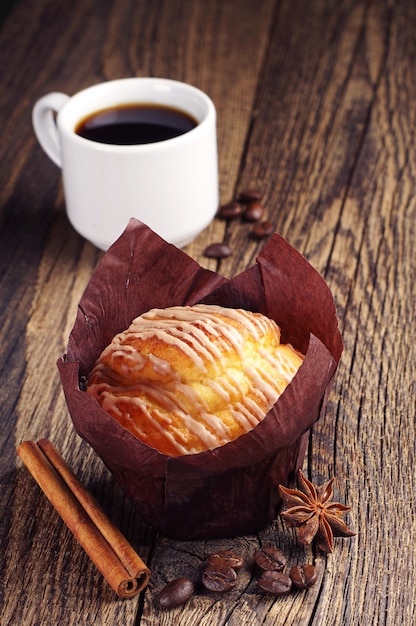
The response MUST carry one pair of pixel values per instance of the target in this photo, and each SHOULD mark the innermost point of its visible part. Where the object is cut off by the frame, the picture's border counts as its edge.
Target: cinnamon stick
(106, 546)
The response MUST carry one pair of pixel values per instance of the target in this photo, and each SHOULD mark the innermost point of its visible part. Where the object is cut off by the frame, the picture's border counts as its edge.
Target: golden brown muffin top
(185, 379)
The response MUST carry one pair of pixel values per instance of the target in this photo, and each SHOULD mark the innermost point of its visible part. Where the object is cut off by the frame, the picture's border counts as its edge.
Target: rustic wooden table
(316, 106)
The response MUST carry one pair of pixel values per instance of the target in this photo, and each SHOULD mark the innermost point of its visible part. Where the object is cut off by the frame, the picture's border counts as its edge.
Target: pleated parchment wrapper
(231, 490)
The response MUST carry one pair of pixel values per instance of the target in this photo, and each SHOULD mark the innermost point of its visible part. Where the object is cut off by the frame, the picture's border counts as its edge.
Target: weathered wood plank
(316, 107)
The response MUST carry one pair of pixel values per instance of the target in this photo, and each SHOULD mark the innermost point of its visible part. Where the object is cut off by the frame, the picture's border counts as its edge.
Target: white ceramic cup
(170, 185)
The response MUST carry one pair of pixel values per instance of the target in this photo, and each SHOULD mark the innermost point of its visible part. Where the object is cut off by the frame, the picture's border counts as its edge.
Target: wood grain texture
(316, 107)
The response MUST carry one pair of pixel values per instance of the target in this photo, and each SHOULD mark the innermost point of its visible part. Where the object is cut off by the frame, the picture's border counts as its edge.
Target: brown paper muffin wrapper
(231, 490)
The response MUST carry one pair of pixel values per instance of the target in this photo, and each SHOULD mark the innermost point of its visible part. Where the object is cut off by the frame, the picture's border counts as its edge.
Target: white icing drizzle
(248, 414)
(203, 335)
(221, 387)
(161, 323)
(112, 397)
(161, 366)
(262, 383)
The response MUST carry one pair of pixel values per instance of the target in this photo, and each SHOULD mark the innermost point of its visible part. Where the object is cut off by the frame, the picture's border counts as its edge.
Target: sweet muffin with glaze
(185, 379)
(207, 366)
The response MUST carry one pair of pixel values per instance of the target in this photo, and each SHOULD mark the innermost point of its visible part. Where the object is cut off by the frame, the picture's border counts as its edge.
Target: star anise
(313, 513)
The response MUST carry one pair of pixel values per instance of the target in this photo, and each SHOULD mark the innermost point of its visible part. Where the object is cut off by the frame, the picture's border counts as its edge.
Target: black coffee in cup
(119, 172)
(133, 124)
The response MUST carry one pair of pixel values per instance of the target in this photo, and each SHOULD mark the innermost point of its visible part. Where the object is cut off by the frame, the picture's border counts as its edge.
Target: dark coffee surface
(135, 124)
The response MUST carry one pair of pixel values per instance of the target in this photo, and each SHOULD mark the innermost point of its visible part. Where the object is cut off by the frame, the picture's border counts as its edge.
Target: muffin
(188, 379)
(230, 489)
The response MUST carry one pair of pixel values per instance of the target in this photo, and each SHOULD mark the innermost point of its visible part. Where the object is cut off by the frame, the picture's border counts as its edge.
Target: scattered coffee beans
(254, 212)
(248, 205)
(250, 195)
(226, 558)
(275, 583)
(221, 575)
(303, 576)
(230, 211)
(270, 559)
(218, 251)
(262, 229)
(175, 593)
(219, 578)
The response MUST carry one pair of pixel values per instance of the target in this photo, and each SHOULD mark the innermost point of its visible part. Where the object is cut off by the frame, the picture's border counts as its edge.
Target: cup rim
(66, 122)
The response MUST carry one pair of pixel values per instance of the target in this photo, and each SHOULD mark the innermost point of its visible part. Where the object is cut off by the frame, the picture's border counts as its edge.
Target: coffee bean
(230, 211)
(217, 251)
(250, 195)
(275, 583)
(226, 557)
(303, 576)
(262, 229)
(175, 593)
(270, 559)
(254, 212)
(219, 579)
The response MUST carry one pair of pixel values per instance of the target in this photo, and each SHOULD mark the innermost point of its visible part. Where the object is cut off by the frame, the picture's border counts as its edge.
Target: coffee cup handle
(44, 124)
